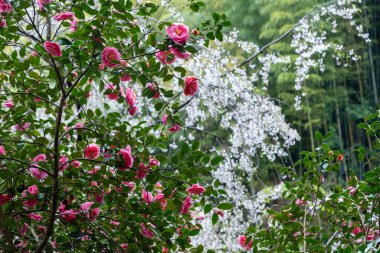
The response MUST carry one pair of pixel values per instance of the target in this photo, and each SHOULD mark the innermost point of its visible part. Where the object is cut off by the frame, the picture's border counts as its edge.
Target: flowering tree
(78, 178)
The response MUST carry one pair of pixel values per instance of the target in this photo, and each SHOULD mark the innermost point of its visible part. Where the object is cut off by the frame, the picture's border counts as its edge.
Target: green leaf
(215, 218)
(225, 206)
(207, 208)
(217, 160)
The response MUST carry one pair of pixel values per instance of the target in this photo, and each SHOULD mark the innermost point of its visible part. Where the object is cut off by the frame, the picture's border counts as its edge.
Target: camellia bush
(76, 179)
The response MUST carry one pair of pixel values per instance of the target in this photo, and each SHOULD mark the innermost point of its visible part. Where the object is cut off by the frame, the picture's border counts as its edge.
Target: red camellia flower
(191, 86)
(92, 151)
(153, 88)
(243, 242)
(178, 32)
(53, 48)
(110, 54)
(132, 110)
(186, 205)
(196, 189)
(339, 158)
(4, 198)
(174, 128)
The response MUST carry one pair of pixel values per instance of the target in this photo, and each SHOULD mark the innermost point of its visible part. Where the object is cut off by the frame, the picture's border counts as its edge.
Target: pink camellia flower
(301, 201)
(131, 185)
(35, 216)
(30, 202)
(79, 125)
(164, 119)
(125, 78)
(178, 32)
(196, 189)
(24, 229)
(42, 3)
(161, 198)
(92, 151)
(113, 95)
(243, 242)
(68, 16)
(62, 207)
(191, 86)
(123, 63)
(3, 22)
(181, 55)
(153, 162)
(37, 173)
(94, 213)
(158, 185)
(54, 244)
(127, 156)
(145, 231)
(352, 190)
(219, 212)
(132, 110)
(99, 197)
(23, 127)
(5, 7)
(147, 196)
(33, 190)
(174, 128)
(39, 158)
(162, 56)
(115, 223)
(69, 215)
(76, 164)
(53, 48)
(4, 198)
(165, 250)
(63, 163)
(130, 96)
(101, 66)
(356, 230)
(186, 205)
(142, 172)
(8, 103)
(86, 206)
(110, 54)
(153, 89)
(198, 216)
(93, 172)
(2, 150)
